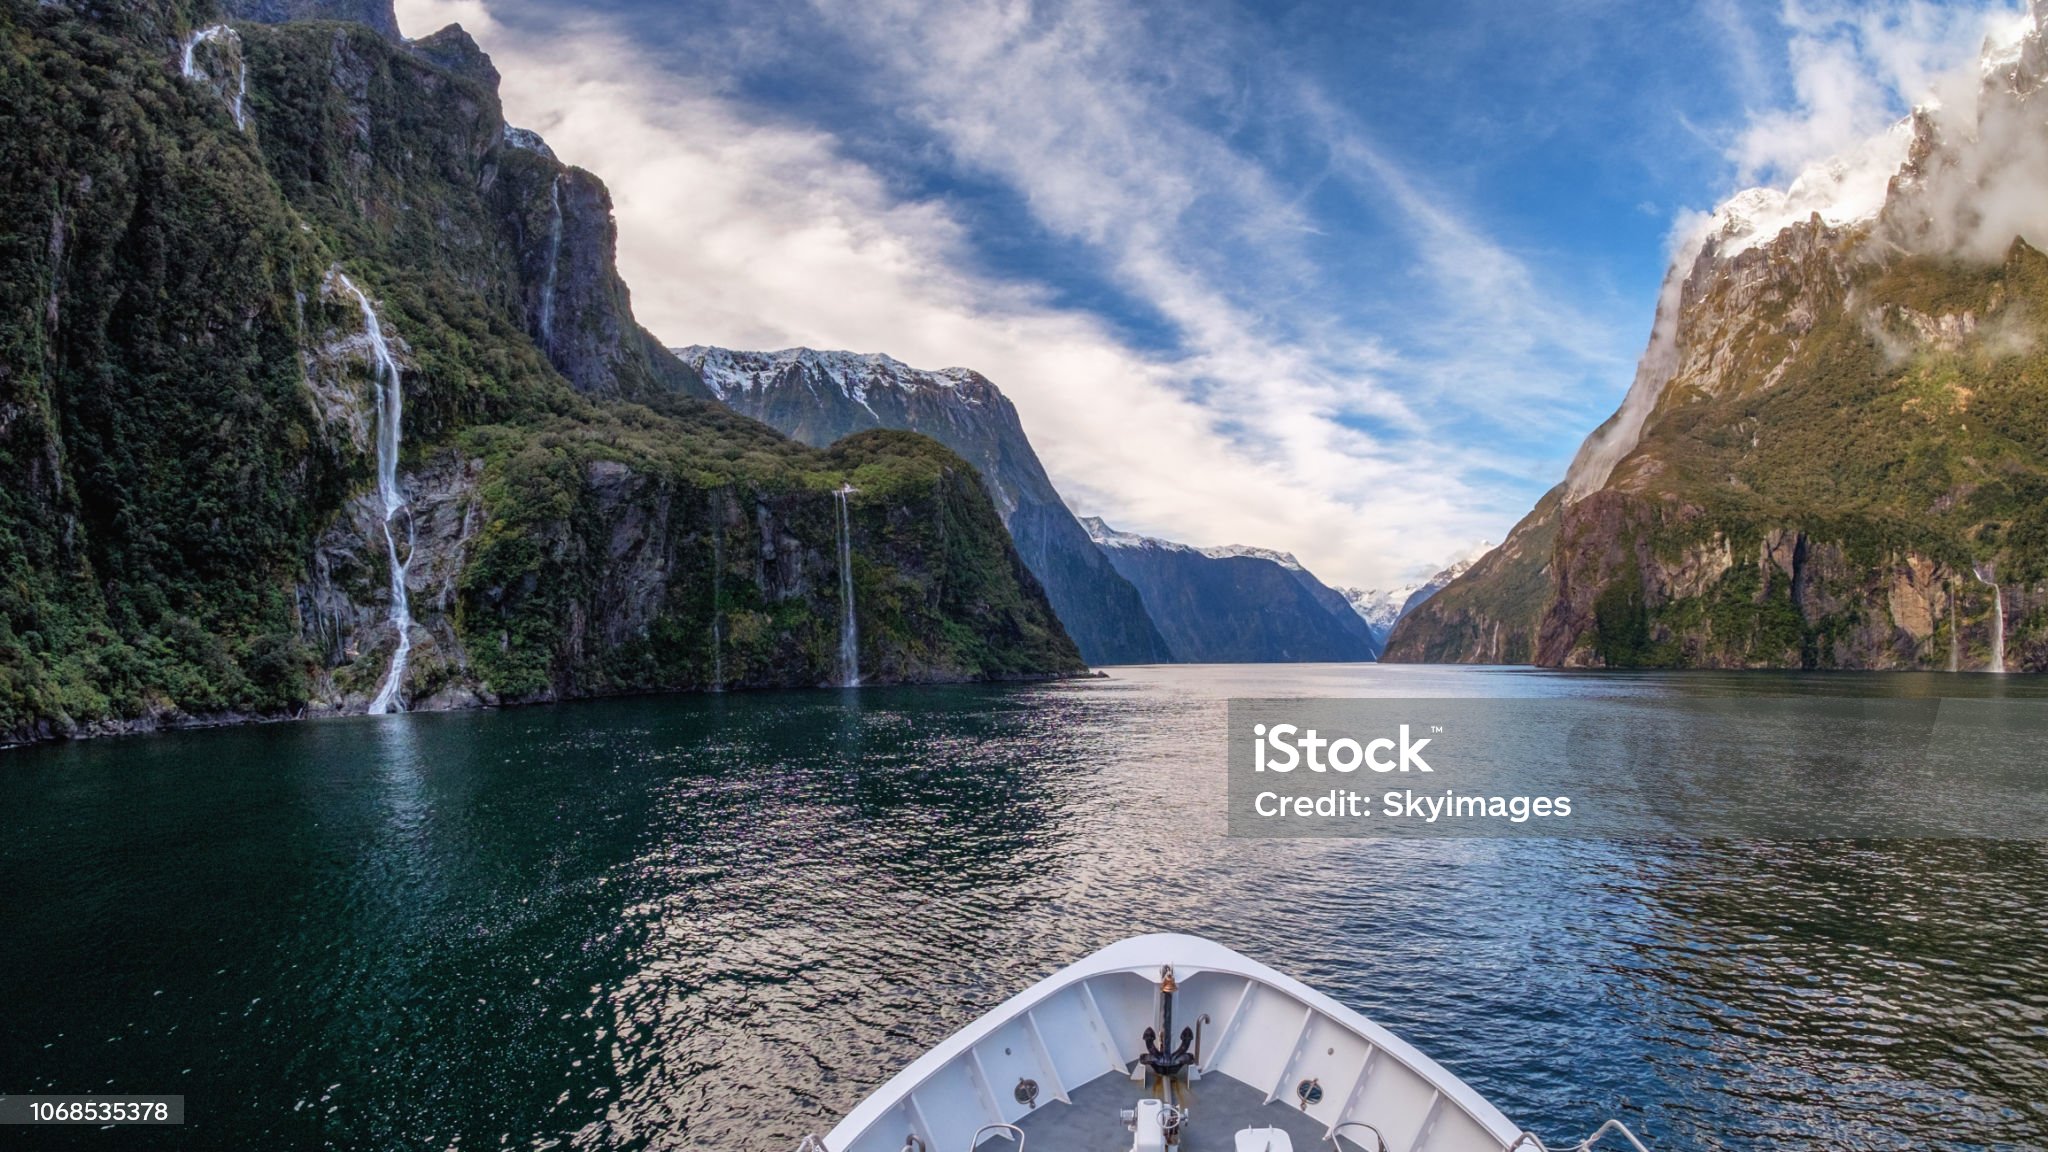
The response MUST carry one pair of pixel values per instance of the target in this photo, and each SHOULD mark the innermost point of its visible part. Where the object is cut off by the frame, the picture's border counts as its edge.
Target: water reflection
(719, 922)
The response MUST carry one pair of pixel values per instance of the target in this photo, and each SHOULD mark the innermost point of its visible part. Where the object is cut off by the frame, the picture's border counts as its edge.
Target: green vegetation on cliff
(185, 415)
(1858, 444)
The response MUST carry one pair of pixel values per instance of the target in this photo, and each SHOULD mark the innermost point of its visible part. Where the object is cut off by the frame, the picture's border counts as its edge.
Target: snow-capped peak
(1283, 559)
(1383, 608)
(1379, 607)
(855, 374)
(1107, 537)
(1846, 188)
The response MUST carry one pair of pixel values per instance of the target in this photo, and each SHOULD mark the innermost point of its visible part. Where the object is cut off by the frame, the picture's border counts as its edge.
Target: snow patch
(1107, 537)
(1846, 188)
(857, 375)
(1283, 559)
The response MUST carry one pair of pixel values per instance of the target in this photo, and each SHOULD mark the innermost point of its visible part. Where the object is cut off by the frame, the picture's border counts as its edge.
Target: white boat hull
(1078, 1035)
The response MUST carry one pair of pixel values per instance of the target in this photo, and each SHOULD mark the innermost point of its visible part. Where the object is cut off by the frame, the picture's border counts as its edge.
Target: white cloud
(748, 230)
(1856, 69)
(740, 230)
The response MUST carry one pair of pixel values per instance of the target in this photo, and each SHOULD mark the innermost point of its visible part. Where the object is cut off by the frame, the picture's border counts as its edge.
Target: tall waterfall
(547, 290)
(1955, 632)
(216, 34)
(717, 593)
(849, 636)
(390, 411)
(1988, 574)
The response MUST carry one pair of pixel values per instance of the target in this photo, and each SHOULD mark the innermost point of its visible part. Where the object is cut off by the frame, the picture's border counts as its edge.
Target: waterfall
(547, 290)
(849, 637)
(1955, 632)
(390, 409)
(216, 34)
(717, 593)
(1987, 574)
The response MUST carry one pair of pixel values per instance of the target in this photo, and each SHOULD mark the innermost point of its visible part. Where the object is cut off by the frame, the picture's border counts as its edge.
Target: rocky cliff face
(1236, 605)
(1836, 454)
(193, 407)
(819, 397)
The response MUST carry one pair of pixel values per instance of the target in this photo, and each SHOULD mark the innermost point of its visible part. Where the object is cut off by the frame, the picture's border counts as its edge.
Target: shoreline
(172, 721)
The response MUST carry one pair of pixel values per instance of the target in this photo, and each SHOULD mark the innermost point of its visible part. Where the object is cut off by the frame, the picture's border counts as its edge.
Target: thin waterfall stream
(849, 633)
(390, 414)
(1955, 632)
(1987, 574)
(717, 593)
(218, 34)
(547, 290)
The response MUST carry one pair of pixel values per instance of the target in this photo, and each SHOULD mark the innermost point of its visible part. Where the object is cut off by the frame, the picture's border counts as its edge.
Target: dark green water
(717, 922)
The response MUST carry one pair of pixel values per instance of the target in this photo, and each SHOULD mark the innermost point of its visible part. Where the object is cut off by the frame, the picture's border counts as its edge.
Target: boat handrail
(1530, 1139)
(1379, 1141)
(811, 1142)
(1016, 1132)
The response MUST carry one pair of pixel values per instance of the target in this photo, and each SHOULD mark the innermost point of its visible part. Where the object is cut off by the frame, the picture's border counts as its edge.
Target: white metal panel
(1214, 994)
(886, 1134)
(1457, 1131)
(1212, 1053)
(1129, 1004)
(1263, 1040)
(1078, 1049)
(1396, 1101)
(1054, 1086)
(1329, 1053)
(951, 1103)
(1007, 1056)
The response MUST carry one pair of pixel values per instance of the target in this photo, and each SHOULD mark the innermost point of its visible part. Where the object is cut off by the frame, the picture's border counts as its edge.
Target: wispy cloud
(1752, 72)
(1275, 415)
(1857, 68)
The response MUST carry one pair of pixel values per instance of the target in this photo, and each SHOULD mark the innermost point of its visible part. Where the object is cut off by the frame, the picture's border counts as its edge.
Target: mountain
(1236, 605)
(1381, 609)
(1492, 612)
(319, 391)
(1835, 450)
(819, 397)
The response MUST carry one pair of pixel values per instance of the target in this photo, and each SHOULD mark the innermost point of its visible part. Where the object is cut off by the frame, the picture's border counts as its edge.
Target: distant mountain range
(1124, 599)
(1236, 605)
(1383, 608)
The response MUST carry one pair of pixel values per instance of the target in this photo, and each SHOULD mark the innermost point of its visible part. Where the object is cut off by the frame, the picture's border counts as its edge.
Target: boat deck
(1220, 1109)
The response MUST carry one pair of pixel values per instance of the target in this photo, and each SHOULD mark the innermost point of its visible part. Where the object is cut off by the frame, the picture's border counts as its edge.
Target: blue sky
(1347, 279)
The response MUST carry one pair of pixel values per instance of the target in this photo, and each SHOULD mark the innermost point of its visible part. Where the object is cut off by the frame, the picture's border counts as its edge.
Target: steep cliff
(1235, 605)
(819, 397)
(1835, 454)
(286, 312)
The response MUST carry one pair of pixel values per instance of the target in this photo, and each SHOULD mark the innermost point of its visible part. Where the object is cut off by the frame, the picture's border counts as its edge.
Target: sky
(1347, 279)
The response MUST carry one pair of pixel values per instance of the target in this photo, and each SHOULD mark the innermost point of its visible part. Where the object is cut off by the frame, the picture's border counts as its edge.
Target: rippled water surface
(717, 922)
